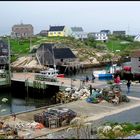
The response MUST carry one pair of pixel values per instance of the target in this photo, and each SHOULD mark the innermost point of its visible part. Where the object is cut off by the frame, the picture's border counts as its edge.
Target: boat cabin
(50, 72)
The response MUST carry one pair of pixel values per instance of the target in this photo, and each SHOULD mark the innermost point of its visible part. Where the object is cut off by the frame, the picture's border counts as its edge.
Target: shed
(48, 54)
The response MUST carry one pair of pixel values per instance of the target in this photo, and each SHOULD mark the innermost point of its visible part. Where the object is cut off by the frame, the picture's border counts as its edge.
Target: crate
(52, 122)
(39, 117)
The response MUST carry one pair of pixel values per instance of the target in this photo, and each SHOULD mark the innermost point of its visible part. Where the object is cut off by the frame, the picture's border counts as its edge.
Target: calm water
(15, 105)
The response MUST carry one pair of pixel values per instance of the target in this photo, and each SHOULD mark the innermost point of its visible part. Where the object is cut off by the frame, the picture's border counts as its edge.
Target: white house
(137, 38)
(135, 61)
(78, 33)
(99, 36)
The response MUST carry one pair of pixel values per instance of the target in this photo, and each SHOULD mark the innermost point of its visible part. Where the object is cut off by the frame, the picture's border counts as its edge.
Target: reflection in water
(14, 105)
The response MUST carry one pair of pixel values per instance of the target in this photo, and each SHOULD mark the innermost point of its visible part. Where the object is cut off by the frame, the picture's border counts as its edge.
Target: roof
(120, 32)
(77, 29)
(106, 31)
(60, 53)
(43, 31)
(22, 25)
(47, 46)
(135, 54)
(56, 28)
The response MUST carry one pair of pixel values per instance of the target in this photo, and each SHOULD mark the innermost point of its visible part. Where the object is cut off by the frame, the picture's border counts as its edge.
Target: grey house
(119, 33)
(43, 33)
(48, 54)
(135, 61)
(78, 33)
(3, 53)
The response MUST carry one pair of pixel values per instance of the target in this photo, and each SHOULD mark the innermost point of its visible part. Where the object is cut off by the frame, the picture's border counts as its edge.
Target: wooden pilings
(70, 69)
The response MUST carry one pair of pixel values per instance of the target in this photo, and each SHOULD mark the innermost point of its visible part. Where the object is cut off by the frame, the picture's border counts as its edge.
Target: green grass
(22, 46)
(114, 45)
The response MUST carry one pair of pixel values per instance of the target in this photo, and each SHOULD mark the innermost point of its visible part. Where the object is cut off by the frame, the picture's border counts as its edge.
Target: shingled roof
(46, 46)
(56, 28)
(59, 53)
(77, 29)
(65, 53)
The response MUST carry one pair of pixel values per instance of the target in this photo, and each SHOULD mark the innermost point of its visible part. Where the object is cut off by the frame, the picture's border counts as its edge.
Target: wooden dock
(29, 79)
(61, 82)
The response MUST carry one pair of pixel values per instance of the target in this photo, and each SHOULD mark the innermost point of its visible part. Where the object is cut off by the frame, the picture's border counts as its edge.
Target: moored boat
(50, 73)
(102, 74)
(107, 73)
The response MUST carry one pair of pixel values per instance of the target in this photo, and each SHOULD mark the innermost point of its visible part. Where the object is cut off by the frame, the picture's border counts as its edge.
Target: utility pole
(30, 43)
(54, 60)
(9, 60)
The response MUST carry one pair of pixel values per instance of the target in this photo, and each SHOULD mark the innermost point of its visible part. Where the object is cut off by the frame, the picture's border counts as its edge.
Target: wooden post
(9, 61)
(26, 85)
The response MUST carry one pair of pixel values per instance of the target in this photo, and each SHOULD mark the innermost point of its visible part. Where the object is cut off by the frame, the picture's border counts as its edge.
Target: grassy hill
(85, 49)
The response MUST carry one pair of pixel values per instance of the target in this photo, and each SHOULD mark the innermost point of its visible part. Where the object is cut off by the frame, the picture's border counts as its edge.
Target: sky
(92, 16)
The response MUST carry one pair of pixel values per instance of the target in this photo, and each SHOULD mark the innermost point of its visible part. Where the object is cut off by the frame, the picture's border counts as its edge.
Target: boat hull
(61, 75)
(102, 74)
(105, 75)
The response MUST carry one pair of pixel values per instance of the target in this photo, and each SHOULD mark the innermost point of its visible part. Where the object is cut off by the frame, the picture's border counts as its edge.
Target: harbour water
(15, 105)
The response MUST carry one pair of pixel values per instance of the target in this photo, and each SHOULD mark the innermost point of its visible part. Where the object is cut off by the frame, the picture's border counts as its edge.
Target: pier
(29, 78)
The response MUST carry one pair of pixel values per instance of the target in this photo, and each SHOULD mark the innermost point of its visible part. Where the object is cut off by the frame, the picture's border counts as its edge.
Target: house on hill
(119, 33)
(78, 33)
(43, 33)
(22, 31)
(58, 31)
(49, 54)
(99, 36)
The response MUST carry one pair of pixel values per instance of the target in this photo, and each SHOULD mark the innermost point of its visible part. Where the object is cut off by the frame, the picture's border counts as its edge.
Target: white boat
(101, 74)
(107, 73)
(48, 74)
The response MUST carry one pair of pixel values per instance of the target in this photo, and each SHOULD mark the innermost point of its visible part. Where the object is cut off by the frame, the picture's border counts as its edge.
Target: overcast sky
(92, 16)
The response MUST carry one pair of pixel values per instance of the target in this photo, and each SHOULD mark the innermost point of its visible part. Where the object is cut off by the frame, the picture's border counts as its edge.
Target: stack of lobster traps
(54, 118)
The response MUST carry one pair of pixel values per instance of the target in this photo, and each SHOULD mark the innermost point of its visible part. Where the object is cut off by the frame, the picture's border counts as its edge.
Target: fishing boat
(107, 73)
(102, 74)
(48, 74)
